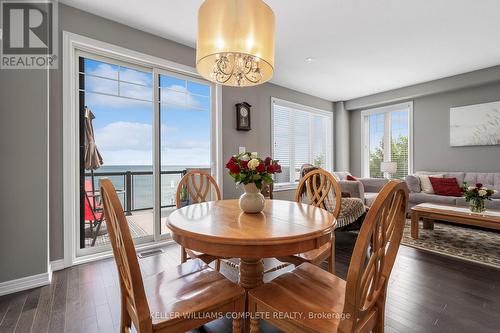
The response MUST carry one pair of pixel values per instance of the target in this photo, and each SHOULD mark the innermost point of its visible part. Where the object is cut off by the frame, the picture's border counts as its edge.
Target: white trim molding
(33, 281)
(57, 265)
(25, 283)
(365, 172)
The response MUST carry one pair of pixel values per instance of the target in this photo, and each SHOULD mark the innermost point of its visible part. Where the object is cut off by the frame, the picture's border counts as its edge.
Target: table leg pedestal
(251, 276)
(251, 273)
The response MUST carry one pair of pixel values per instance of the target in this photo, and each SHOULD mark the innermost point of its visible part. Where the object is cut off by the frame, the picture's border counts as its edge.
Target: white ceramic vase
(252, 201)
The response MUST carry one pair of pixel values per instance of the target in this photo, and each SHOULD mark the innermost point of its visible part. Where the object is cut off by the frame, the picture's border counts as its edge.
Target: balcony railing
(126, 187)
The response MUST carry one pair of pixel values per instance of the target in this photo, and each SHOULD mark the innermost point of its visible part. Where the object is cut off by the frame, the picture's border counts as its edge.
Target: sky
(122, 101)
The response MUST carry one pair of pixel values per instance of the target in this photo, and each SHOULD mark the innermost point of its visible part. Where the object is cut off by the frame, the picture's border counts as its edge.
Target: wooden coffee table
(462, 215)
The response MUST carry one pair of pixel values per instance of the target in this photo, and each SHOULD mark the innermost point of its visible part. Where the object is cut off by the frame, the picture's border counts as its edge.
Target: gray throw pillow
(413, 183)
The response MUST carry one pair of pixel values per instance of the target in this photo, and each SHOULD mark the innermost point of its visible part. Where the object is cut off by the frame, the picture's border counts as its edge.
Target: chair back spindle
(322, 190)
(198, 184)
(133, 296)
(369, 269)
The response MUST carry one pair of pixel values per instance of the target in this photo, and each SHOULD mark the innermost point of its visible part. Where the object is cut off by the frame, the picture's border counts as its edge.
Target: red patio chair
(93, 211)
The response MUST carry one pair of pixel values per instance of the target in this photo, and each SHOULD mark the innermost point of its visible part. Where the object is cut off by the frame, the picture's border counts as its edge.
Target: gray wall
(85, 24)
(342, 129)
(82, 23)
(259, 138)
(431, 126)
(23, 173)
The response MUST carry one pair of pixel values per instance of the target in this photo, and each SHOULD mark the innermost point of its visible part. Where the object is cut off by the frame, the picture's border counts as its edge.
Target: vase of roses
(252, 172)
(476, 196)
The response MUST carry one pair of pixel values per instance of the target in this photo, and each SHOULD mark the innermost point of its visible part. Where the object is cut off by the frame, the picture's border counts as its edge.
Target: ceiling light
(235, 44)
(309, 59)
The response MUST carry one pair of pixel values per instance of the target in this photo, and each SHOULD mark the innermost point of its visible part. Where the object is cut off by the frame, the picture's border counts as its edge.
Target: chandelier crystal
(235, 45)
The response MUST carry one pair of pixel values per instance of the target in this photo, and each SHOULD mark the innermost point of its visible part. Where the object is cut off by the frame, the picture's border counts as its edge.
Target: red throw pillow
(349, 177)
(446, 186)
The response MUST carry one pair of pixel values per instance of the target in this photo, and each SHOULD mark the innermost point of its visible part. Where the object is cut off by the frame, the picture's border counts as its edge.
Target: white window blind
(387, 137)
(301, 135)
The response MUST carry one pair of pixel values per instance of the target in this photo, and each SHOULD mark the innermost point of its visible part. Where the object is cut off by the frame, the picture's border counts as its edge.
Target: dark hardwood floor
(427, 293)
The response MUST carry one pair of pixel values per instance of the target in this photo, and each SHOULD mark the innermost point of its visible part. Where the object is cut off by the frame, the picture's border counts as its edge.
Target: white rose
(254, 155)
(482, 193)
(244, 157)
(253, 163)
(471, 188)
(495, 191)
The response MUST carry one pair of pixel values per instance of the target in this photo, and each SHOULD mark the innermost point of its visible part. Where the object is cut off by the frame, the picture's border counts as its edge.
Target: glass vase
(477, 206)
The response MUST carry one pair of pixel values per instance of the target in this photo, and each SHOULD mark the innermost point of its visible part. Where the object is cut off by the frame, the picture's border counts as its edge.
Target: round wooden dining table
(221, 229)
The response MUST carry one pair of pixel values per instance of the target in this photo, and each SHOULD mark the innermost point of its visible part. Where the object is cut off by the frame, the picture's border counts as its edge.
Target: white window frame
(365, 137)
(305, 108)
(72, 45)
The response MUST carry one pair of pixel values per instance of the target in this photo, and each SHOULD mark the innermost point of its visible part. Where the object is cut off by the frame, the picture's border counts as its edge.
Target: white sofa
(489, 180)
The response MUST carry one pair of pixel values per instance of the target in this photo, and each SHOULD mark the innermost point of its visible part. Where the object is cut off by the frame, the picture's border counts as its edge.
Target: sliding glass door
(143, 128)
(185, 105)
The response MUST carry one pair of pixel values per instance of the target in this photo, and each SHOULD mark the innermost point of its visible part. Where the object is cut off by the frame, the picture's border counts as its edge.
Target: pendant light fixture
(235, 44)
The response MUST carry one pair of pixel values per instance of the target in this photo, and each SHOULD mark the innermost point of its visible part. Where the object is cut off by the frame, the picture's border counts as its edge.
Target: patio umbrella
(92, 158)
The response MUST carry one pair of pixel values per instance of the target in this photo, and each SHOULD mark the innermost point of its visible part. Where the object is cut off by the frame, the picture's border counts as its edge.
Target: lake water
(142, 185)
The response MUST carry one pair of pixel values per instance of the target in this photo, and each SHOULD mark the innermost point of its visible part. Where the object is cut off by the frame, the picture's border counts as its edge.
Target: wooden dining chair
(196, 186)
(322, 190)
(175, 300)
(328, 303)
(267, 190)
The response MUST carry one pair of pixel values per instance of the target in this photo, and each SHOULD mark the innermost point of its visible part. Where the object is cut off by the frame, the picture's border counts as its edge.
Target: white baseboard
(28, 282)
(57, 265)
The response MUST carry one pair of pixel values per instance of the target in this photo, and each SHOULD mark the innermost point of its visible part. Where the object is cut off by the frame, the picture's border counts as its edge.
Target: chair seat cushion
(307, 289)
(190, 287)
(351, 209)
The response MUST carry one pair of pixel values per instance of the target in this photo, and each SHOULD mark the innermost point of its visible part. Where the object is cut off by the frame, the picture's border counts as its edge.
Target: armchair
(363, 188)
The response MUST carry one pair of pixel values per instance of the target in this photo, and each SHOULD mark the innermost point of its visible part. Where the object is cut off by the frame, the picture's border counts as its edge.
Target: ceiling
(359, 47)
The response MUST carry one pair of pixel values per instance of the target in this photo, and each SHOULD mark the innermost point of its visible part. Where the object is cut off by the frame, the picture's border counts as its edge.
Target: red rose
(261, 167)
(479, 185)
(234, 168)
(273, 168)
(278, 168)
(231, 161)
(268, 161)
(244, 164)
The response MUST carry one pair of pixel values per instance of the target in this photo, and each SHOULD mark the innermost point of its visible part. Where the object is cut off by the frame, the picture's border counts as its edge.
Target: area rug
(476, 245)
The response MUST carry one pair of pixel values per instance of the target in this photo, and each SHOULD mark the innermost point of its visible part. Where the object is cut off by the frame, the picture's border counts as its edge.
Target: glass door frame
(73, 45)
(215, 145)
(81, 252)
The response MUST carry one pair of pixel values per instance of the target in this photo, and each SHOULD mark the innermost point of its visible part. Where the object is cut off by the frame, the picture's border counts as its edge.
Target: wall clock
(243, 116)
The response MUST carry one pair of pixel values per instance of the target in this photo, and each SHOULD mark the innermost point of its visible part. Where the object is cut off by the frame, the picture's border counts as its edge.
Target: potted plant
(251, 171)
(476, 196)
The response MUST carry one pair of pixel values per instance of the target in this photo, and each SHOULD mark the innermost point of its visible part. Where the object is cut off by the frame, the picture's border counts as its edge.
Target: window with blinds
(300, 135)
(387, 138)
